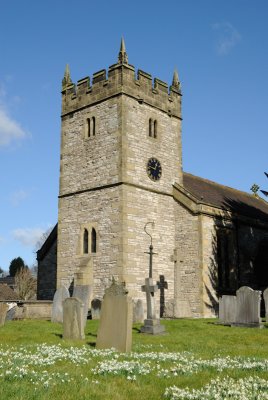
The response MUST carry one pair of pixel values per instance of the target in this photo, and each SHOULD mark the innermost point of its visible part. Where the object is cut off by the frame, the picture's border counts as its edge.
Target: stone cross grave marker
(115, 329)
(3, 313)
(248, 303)
(227, 309)
(60, 295)
(149, 288)
(151, 324)
(162, 285)
(73, 319)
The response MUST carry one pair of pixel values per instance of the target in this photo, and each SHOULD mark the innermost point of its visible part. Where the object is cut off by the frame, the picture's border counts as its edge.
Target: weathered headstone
(151, 324)
(11, 312)
(227, 309)
(265, 297)
(73, 319)
(248, 303)
(115, 329)
(3, 313)
(83, 293)
(138, 312)
(60, 295)
(95, 309)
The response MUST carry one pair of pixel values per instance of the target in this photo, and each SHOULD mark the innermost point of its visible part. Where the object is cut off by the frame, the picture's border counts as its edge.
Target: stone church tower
(120, 168)
(120, 157)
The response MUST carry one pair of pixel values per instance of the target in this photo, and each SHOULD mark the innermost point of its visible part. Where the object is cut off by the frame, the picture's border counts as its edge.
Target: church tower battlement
(120, 157)
(121, 80)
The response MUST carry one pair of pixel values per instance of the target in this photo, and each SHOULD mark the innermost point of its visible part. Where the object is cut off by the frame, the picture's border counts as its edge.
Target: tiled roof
(6, 293)
(227, 198)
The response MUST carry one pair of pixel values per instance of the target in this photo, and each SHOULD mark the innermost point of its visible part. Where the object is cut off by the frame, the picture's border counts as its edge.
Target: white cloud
(28, 236)
(228, 37)
(10, 130)
(17, 197)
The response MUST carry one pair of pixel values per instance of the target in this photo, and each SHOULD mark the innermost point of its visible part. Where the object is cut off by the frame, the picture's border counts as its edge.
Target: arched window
(150, 127)
(155, 128)
(85, 242)
(88, 127)
(93, 241)
(93, 126)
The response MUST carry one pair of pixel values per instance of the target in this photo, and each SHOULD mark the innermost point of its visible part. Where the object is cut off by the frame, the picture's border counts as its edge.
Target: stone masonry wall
(209, 277)
(89, 162)
(187, 264)
(101, 210)
(142, 206)
(139, 147)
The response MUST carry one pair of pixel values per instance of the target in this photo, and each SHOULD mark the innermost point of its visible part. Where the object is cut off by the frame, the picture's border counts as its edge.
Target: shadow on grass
(92, 344)
(58, 335)
(136, 330)
(92, 334)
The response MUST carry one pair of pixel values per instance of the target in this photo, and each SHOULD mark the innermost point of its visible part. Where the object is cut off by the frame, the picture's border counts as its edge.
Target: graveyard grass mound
(195, 359)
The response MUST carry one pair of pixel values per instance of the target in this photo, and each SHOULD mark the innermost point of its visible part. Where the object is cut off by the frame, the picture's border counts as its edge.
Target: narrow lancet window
(150, 127)
(85, 242)
(93, 126)
(93, 241)
(88, 127)
(155, 128)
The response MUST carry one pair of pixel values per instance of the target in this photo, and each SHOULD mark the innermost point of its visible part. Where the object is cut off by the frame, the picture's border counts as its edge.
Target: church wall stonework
(187, 264)
(138, 146)
(100, 209)
(141, 207)
(89, 162)
(209, 279)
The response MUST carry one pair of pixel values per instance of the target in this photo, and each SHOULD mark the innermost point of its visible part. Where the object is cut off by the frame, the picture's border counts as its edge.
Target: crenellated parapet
(121, 79)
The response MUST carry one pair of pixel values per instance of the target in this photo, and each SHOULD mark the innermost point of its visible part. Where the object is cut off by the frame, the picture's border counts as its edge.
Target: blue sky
(218, 47)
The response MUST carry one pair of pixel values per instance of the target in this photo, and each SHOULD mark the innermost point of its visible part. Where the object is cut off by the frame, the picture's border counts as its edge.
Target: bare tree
(25, 284)
(42, 239)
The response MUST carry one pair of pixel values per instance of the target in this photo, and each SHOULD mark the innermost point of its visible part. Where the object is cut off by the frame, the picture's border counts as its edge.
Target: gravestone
(265, 297)
(83, 292)
(60, 295)
(151, 324)
(115, 329)
(95, 309)
(248, 303)
(11, 312)
(73, 319)
(3, 313)
(227, 309)
(138, 312)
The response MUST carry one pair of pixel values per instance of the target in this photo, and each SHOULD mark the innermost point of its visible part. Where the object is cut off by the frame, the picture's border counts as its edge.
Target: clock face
(154, 169)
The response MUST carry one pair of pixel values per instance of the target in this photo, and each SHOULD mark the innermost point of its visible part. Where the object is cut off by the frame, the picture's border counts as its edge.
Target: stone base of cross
(151, 324)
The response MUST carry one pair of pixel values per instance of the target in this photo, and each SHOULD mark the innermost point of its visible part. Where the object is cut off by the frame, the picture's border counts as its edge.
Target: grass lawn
(36, 363)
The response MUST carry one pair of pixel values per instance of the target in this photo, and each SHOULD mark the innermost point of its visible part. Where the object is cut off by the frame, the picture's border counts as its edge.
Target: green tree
(15, 265)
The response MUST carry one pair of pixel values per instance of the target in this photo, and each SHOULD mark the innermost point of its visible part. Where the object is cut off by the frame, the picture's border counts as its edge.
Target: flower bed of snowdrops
(37, 365)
